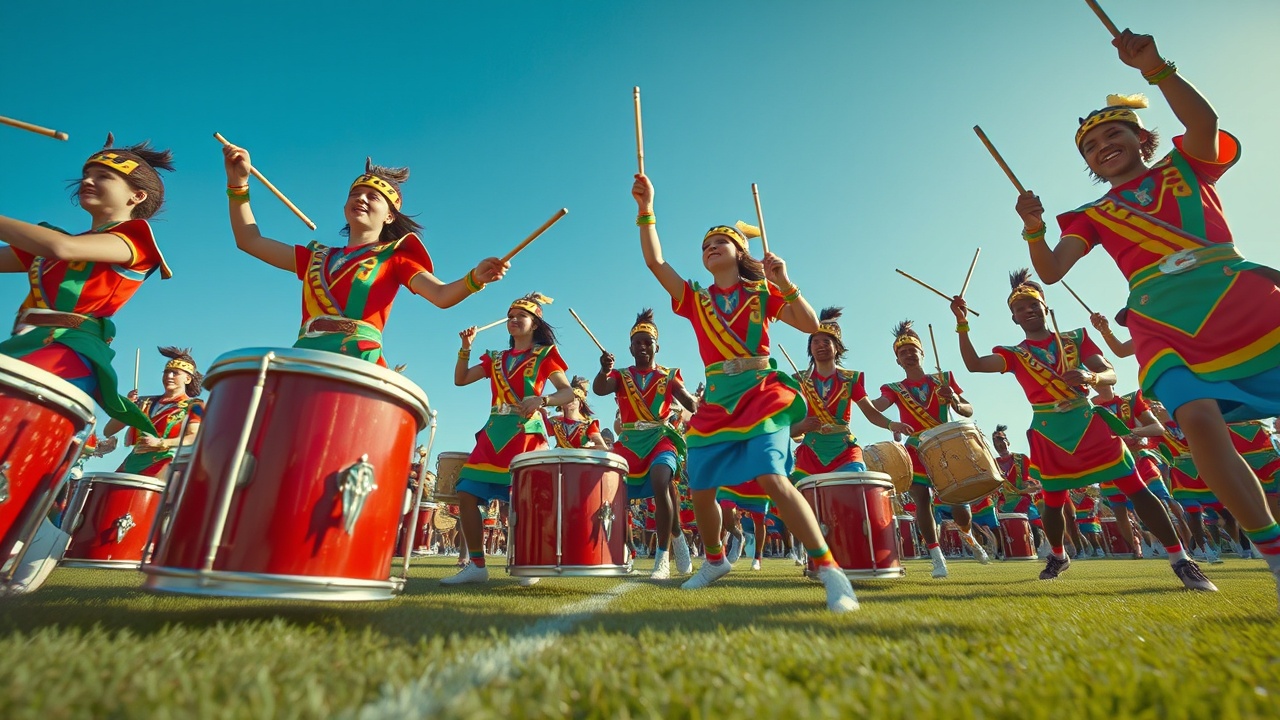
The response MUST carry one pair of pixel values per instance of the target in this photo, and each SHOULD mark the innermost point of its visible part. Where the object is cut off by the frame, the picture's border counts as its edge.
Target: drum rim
(848, 478)
(556, 456)
(325, 364)
(1012, 516)
(451, 454)
(947, 426)
(20, 374)
(145, 482)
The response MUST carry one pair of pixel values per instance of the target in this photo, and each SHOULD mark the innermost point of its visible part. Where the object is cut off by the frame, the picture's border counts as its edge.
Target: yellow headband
(904, 340)
(183, 365)
(1120, 108)
(387, 189)
(579, 393)
(1024, 292)
(645, 328)
(831, 329)
(533, 306)
(114, 161)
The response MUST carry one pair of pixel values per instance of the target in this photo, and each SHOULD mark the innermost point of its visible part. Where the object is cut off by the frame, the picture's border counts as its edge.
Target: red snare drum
(44, 421)
(949, 539)
(907, 549)
(568, 514)
(109, 518)
(1018, 544)
(297, 482)
(1113, 541)
(856, 518)
(421, 531)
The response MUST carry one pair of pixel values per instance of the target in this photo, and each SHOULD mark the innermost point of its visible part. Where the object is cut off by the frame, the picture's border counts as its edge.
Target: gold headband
(183, 365)
(580, 393)
(831, 329)
(904, 340)
(114, 161)
(645, 328)
(1024, 292)
(1120, 108)
(732, 233)
(387, 189)
(533, 306)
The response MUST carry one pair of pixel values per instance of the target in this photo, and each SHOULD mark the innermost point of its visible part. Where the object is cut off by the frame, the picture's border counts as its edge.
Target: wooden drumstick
(1057, 339)
(262, 179)
(589, 333)
(996, 154)
(787, 355)
(1077, 297)
(137, 364)
(968, 275)
(929, 287)
(495, 323)
(1102, 15)
(554, 219)
(937, 359)
(55, 134)
(764, 237)
(639, 131)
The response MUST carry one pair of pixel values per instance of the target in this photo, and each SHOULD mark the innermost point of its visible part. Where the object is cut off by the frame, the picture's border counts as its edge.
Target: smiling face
(105, 191)
(1113, 149)
(910, 356)
(643, 348)
(1001, 443)
(719, 253)
(175, 380)
(367, 209)
(520, 323)
(822, 347)
(1029, 314)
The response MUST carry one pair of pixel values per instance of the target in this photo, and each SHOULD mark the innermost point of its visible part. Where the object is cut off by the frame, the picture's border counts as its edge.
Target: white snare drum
(959, 463)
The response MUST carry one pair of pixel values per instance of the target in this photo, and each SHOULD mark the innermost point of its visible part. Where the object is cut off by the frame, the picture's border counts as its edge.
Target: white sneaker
(46, 549)
(1247, 554)
(470, 573)
(1200, 554)
(1098, 553)
(755, 564)
(1214, 558)
(527, 581)
(680, 550)
(734, 551)
(981, 554)
(706, 575)
(939, 563)
(661, 568)
(840, 597)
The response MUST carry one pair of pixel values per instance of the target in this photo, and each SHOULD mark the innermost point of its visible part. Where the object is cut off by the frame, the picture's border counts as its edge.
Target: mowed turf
(1110, 639)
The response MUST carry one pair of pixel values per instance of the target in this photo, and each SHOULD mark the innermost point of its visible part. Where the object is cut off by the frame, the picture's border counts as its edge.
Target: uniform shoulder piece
(755, 285)
(847, 374)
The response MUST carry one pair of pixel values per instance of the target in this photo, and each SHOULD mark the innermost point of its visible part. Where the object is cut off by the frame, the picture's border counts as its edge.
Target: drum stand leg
(169, 498)
(559, 517)
(410, 537)
(866, 529)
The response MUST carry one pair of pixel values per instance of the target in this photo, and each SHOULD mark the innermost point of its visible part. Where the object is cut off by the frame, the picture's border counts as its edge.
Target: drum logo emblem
(4, 482)
(124, 524)
(606, 517)
(356, 484)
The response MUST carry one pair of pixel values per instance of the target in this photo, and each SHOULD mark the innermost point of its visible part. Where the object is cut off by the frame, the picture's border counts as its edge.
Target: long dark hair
(144, 177)
(401, 223)
(831, 315)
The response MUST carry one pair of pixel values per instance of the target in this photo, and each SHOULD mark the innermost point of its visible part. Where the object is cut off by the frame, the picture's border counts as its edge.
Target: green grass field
(1110, 639)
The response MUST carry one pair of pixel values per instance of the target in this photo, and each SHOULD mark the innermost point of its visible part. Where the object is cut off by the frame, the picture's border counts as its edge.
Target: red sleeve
(1209, 172)
(551, 362)
(1026, 469)
(886, 392)
(774, 303)
(1077, 225)
(23, 256)
(1088, 348)
(686, 306)
(1140, 404)
(302, 259)
(594, 427)
(955, 387)
(859, 390)
(137, 235)
(486, 363)
(196, 411)
(409, 259)
(1006, 355)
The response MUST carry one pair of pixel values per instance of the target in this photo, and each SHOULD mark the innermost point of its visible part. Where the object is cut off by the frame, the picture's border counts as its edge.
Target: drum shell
(422, 531)
(907, 538)
(100, 503)
(856, 517)
(959, 463)
(1115, 544)
(448, 467)
(560, 500)
(1017, 536)
(891, 459)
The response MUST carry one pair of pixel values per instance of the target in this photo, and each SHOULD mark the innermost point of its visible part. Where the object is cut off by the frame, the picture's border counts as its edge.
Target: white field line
(439, 687)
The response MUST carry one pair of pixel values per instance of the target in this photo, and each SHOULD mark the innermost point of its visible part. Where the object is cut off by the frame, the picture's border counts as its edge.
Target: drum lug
(606, 516)
(357, 482)
(246, 470)
(124, 524)
(4, 482)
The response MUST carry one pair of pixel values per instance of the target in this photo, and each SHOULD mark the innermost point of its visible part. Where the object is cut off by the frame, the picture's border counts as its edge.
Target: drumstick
(968, 275)
(1102, 15)
(554, 219)
(764, 238)
(589, 333)
(262, 179)
(789, 360)
(936, 358)
(639, 131)
(137, 362)
(1077, 297)
(1057, 339)
(55, 134)
(927, 286)
(495, 323)
(996, 154)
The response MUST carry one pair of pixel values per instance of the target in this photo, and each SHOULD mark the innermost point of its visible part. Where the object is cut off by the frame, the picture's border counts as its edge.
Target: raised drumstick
(1077, 297)
(639, 131)
(764, 238)
(787, 355)
(55, 134)
(968, 275)
(931, 288)
(589, 333)
(262, 179)
(996, 154)
(495, 323)
(137, 364)
(937, 359)
(554, 219)
(1102, 15)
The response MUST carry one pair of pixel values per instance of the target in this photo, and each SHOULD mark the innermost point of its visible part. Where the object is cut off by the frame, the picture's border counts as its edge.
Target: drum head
(124, 480)
(847, 478)
(31, 380)
(572, 457)
(945, 428)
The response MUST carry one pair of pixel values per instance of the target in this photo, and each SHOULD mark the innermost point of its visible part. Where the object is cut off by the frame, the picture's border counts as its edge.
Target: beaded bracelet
(1164, 71)
(238, 192)
(646, 219)
(1035, 235)
(792, 295)
(473, 285)
(464, 354)
(962, 327)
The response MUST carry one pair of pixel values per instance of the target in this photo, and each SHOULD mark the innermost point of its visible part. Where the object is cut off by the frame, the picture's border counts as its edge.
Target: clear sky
(854, 118)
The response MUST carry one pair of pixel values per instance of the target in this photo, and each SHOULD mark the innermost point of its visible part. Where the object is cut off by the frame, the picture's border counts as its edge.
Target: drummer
(575, 428)
(347, 291)
(1017, 494)
(178, 404)
(926, 402)
(517, 377)
(1055, 371)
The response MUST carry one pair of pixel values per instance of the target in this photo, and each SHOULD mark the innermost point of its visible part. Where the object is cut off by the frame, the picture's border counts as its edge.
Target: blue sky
(854, 118)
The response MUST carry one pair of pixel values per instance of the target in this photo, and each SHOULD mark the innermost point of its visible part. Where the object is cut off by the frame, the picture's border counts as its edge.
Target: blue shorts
(941, 512)
(986, 520)
(643, 490)
(485, 492)
(736, 462)
(1251, 398)
(1160, 490)
(1117, 505)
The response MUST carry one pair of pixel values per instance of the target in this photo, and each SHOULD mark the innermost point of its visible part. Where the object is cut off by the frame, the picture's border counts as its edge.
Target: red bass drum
(855, 514)
(109, 519)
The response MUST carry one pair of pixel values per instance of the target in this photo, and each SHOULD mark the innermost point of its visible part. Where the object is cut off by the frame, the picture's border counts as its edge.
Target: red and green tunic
(1129, 409)
(1073, 444)
(986, 508)
(1087, 515)
(572, 435)
(96, 291)
(167, 416)
(355, 283)
(921, 407)
(1253, 442)
(830, 400)
(730, 325)
(1016, 470)
(1194, 302)
(1183, 475)
(513, 376)
(645, 400)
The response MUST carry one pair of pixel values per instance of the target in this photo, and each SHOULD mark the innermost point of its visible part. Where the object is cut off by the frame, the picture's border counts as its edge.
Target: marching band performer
(575, 427)
(168, 411)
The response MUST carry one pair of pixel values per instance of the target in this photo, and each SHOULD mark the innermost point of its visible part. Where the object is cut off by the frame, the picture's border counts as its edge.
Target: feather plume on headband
(645, 324)
(1023, 287)
(1119, 108)
(828, 321)
(532, 303)
(904, 334)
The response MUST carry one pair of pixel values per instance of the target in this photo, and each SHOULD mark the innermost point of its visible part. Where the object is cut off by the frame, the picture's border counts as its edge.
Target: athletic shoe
(662, 568)
(1200, 554)
(680, 549)
(939, 567)
(1247, 554)
(470, 573)
(527, 581)
(1043, 551)
(46, 549)
(1157, 552)
(982, 555)
(795, 557)
(1099, 553)
(734, 551)
(706, 575)
(1189, 573)
(1054, 567)
(1214, 558)
(840, 597)
(755, 564)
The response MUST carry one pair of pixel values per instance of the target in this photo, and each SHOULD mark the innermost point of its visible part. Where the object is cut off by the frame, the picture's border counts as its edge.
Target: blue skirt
(1252, 398)
(733, 463)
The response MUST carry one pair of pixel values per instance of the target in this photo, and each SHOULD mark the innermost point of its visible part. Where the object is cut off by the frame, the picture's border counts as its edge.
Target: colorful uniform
(920, 406)
(513, 376)
(1253, 442)
(1087, 516)
(347, 293)
(86, 294)
(1016, 470)
(647, 439)
(742, 429)
(573, 435)
(168, 417)
(984, 512)
(1073, 444)
(1188, 489)
(1129, 408)
(832, 447)
(1201, 316)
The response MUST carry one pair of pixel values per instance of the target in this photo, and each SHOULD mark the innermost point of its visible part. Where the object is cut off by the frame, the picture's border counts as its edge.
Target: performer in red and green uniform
(152, 453)
(742, 430)
(516, 377)
(575, 428)
(1253, 442)
(347, 291)
(1016, 470)
(1202, 317)
(1073, 444)
(648, 395)
(1089, 524)
(1133, 410)
(1189, 490)
(924, 402)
